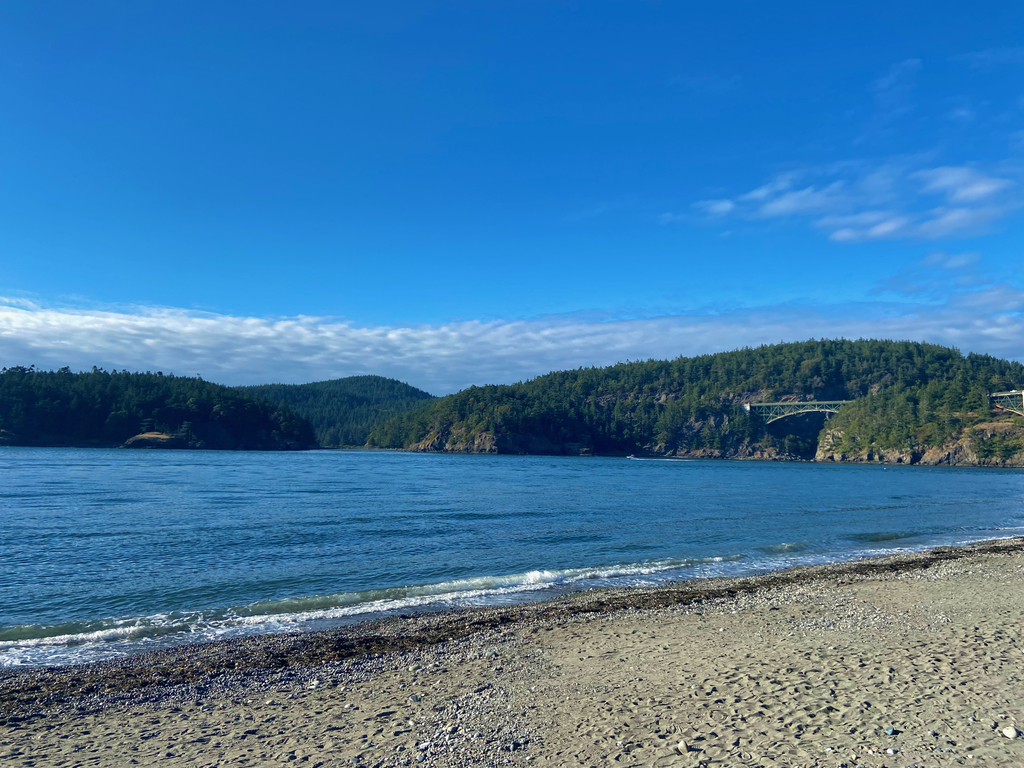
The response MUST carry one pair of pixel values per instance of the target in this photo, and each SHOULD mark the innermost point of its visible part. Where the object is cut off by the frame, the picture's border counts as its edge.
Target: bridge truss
(1009, 401)
(770, 412)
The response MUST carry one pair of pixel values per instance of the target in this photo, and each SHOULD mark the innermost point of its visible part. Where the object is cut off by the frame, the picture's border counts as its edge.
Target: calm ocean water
(107, 552)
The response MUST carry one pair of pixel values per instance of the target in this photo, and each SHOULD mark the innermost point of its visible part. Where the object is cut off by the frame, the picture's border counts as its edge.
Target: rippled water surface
(105, 552)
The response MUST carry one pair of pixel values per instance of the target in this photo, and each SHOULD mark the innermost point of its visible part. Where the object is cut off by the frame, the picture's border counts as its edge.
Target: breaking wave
(90, 641)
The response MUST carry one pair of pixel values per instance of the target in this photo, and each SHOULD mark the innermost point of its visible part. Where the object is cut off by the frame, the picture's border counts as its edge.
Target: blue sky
(458, 193)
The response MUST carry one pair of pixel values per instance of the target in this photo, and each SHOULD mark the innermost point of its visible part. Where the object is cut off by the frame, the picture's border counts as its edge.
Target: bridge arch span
(770, 412)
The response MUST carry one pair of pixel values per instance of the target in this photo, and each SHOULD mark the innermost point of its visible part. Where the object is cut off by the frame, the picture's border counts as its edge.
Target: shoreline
(545, 594)
(893, 661)
(903, 460)
(191, 664)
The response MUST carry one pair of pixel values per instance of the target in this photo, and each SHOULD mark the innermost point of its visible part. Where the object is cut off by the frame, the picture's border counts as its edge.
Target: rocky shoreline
(465, 683)
(963, 452)
(24, 692)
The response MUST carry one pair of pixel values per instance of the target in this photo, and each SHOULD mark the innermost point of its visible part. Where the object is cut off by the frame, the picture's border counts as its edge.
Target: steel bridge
(770, 412)
(1009, 401)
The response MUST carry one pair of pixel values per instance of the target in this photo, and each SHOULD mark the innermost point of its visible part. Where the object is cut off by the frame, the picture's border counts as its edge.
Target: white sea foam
(50, 645)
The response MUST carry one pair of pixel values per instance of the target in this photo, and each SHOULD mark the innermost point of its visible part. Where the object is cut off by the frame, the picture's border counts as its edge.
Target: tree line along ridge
(911, 402)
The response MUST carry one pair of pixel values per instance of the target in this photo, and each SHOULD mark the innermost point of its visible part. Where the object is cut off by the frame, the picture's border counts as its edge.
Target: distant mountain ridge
(344, 411)
(913, 403)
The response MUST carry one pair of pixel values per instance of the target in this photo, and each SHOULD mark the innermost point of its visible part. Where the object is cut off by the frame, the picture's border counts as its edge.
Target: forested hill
(344, 411)
(913, 402)
(107, 408)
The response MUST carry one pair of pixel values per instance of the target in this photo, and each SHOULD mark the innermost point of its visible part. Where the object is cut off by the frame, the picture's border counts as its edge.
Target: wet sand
(897, 661)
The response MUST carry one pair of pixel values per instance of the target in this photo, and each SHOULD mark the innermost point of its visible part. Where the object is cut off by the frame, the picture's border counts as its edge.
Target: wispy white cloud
(867, 225)
(17, 301)
(950, 261)
(1003, 299)
(807, 200)
(936, 303)
(884, 200)
(960, 184)
(781, 183)
(939, 277)
(944, 222)
(715, 207)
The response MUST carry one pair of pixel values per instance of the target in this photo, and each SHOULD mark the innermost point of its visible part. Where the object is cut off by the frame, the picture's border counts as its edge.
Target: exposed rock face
(155, 440)
(996, 443)
(538, 445)
(745, 450)
(829, 450)
(963, 452)
(960, 453)
(457, 442)
(828, 443)
(877, 456)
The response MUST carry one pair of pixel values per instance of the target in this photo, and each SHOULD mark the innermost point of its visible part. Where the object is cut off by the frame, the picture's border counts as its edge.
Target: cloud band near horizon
(448, 357)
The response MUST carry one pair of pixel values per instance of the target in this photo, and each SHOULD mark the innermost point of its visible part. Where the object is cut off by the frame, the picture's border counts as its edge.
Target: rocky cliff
(991, 444)
(155, 440)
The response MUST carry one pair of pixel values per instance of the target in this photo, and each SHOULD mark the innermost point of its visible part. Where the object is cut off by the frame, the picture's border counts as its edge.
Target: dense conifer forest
(910, 403)
(344, 411)
(909, 398)
(107, 408)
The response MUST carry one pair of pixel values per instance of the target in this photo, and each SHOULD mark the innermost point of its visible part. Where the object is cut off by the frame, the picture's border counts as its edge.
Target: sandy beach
(909, 660)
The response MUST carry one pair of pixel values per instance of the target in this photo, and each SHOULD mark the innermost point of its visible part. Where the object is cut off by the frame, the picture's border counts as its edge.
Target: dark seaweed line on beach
(25, 694)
